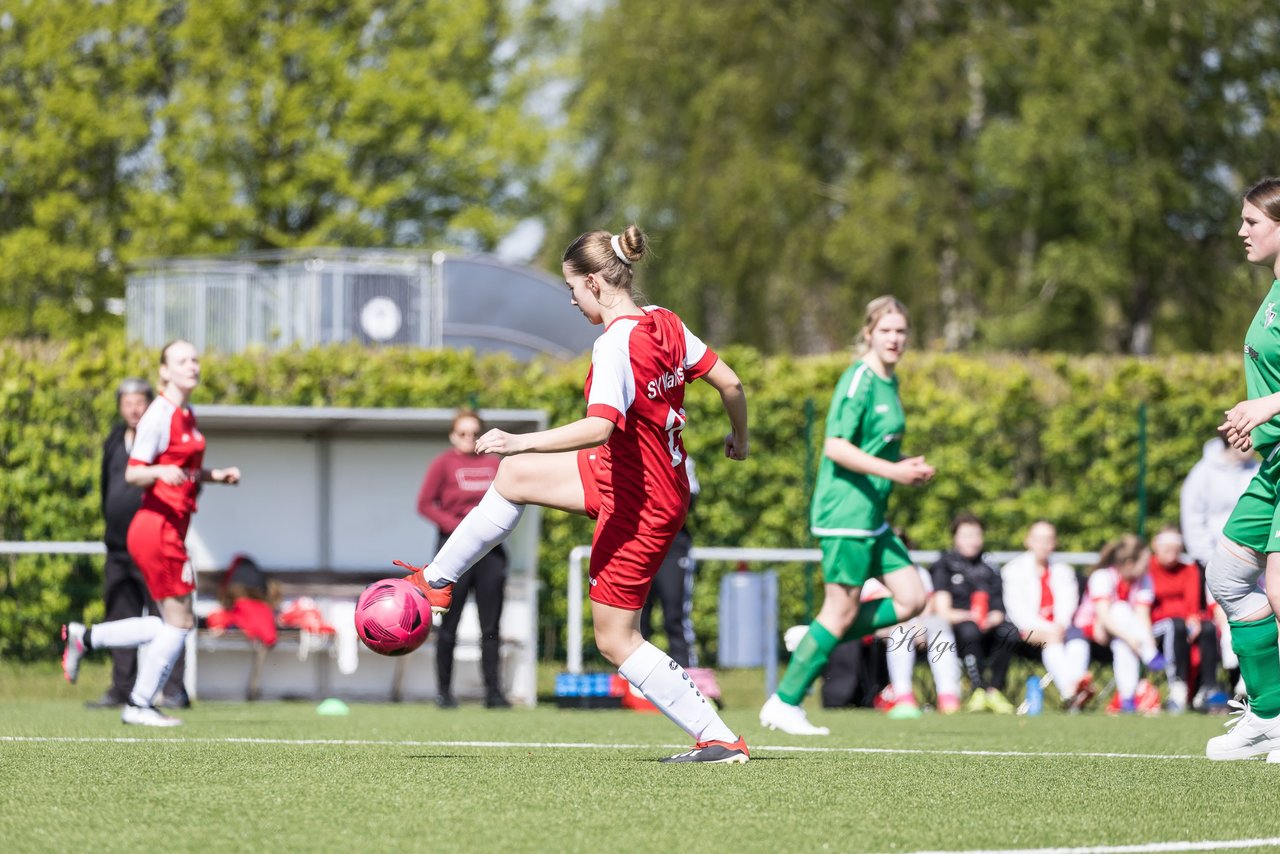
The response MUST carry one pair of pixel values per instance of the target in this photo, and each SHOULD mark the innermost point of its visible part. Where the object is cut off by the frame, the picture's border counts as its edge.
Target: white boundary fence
(579, 554)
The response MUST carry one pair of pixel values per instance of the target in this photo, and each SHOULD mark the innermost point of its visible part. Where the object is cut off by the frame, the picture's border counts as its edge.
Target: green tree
(160, 128)
(1039, 175)
(362, 123)
(78, 87)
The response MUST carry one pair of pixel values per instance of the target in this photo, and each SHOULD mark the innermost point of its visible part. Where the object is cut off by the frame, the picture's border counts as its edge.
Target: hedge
(1014, 438)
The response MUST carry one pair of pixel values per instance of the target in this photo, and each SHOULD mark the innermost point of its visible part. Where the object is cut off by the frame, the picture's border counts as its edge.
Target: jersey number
(675, 423)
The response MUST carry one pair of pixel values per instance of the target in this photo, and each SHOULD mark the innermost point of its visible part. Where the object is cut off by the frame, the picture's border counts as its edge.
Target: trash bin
(748, 619)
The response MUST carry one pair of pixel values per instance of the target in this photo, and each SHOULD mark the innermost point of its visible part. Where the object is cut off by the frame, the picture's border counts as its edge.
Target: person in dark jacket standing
(970, 595)
(123, 589)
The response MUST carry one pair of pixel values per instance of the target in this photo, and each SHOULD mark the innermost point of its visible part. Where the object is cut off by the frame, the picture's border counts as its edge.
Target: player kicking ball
(622, 465)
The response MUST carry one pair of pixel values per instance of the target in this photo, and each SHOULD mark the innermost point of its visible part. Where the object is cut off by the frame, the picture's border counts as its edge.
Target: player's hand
(735, 448)
(1248, 414)
(913, 471)
(229, 475)
(1193, 629)
(172, 475)
(500, 442)
(1237, 439)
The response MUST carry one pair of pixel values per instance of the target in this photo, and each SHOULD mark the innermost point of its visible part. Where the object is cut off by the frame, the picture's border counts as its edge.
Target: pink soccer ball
(393, 617)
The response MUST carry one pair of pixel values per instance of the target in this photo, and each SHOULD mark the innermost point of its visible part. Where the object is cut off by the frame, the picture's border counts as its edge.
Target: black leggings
(1171, 635)
(488, 578)
(673, 588)
(977, 649)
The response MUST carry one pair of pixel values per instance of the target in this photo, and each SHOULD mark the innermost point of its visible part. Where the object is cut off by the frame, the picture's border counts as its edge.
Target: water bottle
(1035, 696)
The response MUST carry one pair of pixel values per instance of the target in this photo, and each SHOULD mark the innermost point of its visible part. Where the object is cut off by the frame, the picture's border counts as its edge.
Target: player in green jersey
(860, 464)
(1250, 543)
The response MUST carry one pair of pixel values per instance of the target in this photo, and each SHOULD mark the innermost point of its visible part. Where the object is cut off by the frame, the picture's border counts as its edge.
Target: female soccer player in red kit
(622, 465)
(166, 460)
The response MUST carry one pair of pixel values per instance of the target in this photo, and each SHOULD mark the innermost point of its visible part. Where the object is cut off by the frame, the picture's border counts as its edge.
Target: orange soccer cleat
(439, 593)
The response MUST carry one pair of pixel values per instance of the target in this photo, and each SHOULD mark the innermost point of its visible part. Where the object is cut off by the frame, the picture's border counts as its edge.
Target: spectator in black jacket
(123, 589)
(969, 594)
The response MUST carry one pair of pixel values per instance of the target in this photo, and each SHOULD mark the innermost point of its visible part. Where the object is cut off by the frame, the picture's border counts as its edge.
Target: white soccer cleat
(1247, 735)
(779, 714)
(73, 650)
(791, 637)
(146, 716)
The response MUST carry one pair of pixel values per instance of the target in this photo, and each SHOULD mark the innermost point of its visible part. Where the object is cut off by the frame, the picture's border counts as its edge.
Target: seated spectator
(1178, 617)
(927, 631)
(968, 594)
(1040, 598)
(1116, 612)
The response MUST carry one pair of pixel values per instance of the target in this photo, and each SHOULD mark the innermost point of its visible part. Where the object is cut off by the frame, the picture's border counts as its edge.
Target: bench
(230, 666)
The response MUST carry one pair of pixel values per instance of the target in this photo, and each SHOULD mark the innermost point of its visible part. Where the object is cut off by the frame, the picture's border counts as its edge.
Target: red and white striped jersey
(168, 436)
(639, 368)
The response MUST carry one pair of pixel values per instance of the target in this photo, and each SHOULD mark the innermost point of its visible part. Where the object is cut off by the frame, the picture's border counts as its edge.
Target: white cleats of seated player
(146, 716)
(781, 715)
(1247, 735)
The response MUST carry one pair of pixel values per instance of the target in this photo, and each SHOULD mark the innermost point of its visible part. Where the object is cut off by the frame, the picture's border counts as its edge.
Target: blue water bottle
(1035, 696)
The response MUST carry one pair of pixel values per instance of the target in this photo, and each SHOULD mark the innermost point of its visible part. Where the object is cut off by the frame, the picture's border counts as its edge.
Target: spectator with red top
(1040, 598)
(167, 463)
(1178, 616)
(454, 484)
(1116, 612)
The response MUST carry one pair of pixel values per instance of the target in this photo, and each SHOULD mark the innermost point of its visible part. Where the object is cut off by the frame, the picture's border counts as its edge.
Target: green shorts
(852, 560)
(1255, 522)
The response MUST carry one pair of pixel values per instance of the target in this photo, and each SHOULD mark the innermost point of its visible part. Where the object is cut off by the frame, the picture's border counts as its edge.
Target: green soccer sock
(1257, 645)
(806, 663)
(876, 614)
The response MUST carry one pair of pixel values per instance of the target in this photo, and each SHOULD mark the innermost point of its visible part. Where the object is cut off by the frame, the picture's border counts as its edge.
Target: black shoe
(716, 752)
(179, 700)
(446, 701)
(496, 701)
(106, 701)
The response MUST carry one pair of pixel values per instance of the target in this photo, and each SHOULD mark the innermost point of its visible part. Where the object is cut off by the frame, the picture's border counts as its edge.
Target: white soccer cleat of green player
(781, 715)
(1247, 735)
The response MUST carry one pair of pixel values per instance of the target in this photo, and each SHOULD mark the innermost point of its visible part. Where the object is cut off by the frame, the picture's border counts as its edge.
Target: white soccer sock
(1124, 663)
(1077, 655)
(133, 631)
(155, 662)
(944, 663)
(1054, 656)
(665, 684)
(901, 658)
(488, 523)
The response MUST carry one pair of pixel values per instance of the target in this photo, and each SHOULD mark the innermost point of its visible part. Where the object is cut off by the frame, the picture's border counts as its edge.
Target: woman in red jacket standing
(455, 482)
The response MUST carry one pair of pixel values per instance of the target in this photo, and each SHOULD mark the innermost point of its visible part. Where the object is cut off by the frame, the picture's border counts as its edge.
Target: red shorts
(157, 545)
(628, 547)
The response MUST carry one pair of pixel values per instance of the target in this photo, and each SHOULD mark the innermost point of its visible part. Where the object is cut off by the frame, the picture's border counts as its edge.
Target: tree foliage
(161, 127)
(1059, 175)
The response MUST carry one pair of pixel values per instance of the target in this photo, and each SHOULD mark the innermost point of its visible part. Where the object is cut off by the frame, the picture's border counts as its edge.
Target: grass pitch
(279, 777)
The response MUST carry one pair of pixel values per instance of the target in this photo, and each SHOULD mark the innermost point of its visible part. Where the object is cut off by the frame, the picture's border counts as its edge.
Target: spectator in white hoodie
(1209, 494)
(1040, 597)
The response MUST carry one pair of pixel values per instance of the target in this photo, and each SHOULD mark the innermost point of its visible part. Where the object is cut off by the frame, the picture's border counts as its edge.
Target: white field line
(576, 745)
(1208, 845)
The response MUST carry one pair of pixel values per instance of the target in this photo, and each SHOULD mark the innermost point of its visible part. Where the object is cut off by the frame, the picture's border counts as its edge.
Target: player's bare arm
(145, 476)
(721, 377)
(586, 432)
(910, 471)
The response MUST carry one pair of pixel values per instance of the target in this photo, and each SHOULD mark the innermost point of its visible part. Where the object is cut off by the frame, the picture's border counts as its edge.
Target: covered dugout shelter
(327, 501)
